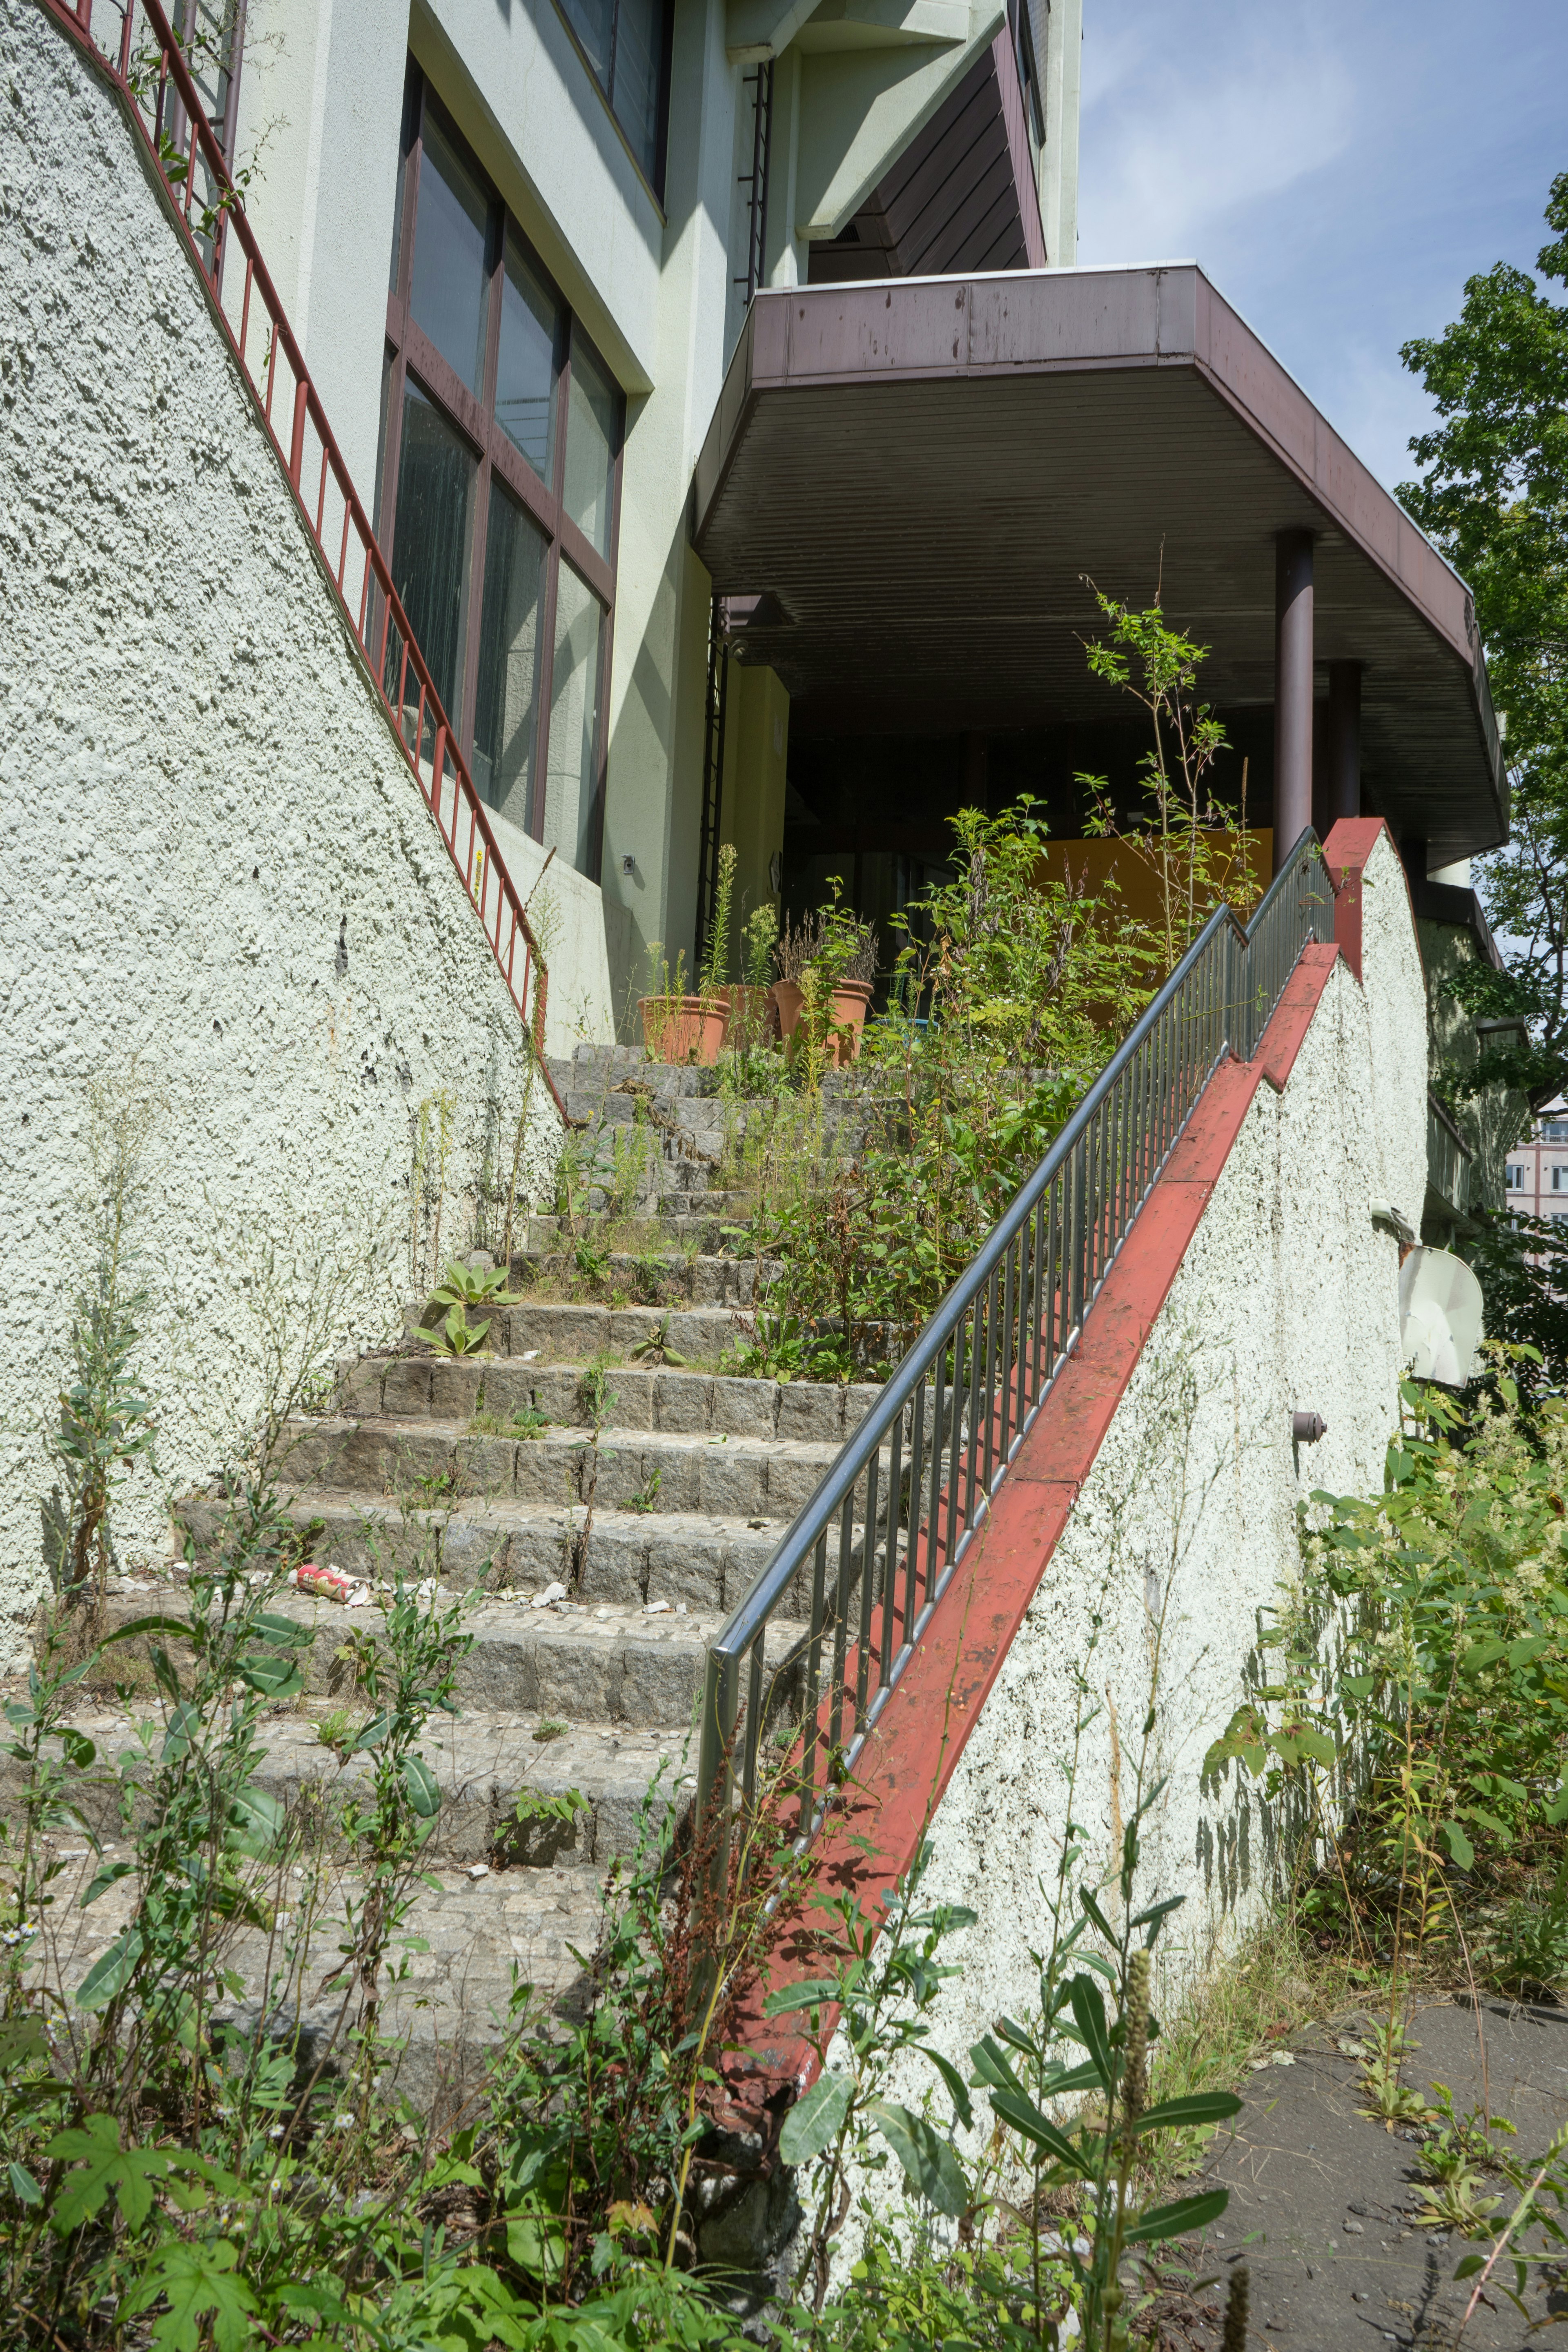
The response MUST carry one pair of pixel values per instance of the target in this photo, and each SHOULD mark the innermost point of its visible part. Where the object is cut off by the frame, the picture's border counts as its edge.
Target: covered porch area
(907, 496)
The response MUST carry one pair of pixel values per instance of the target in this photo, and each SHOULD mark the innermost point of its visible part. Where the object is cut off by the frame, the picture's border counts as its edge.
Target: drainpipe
(1292, 690)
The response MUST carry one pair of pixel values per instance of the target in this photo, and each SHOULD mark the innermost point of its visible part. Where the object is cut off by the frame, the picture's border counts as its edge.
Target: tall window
(500, 469)
(626, 46)
(1029, 82)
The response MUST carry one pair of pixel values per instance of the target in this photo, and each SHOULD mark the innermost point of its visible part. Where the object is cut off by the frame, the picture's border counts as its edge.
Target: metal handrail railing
(166, 106)
(862, 1567)
(1448, 1156)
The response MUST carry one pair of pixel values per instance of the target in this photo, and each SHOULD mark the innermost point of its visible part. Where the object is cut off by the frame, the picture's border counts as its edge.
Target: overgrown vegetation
(1013, 984)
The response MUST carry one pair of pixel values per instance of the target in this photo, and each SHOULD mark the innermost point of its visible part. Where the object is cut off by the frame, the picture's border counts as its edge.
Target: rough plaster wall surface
(221, 890)
(1186, 1529)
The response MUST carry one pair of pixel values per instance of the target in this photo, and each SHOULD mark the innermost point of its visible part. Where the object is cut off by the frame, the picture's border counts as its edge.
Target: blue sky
(1339, 169)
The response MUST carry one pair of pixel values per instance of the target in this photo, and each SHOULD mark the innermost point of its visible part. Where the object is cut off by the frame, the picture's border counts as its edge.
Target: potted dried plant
(796, 953)
(677, 1027)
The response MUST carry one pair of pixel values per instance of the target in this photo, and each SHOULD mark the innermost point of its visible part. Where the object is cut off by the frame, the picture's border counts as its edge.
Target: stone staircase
(602, 1492)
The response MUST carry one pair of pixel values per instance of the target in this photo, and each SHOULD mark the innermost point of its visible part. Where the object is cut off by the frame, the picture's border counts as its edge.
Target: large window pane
(571, 767)
(590, 20)
(527, 364)
(431, 540)
(592, 429)
(508, 707)
(451, 239)
(639, 43)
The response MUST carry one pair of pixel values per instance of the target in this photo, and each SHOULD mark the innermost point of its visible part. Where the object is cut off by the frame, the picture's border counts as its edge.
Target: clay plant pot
(851, 1002)
(684, 1028)
(789, 1003)
(753, 1019)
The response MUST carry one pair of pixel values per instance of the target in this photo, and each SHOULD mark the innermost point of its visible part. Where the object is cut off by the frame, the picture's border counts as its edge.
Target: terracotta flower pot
(789, 1003)
(753, 1018)
(851, 1002)
(683, 1028)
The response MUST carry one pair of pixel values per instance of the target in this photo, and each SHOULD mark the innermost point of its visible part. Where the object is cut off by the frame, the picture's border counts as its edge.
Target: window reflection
(591, 432)
(507, 709)
(591, 21)
(570, 811)
(451, 235)
(431, 538)
(639, 60)
(528, 363)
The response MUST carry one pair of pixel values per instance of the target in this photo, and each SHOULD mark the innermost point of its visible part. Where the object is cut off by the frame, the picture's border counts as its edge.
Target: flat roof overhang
(916, 476)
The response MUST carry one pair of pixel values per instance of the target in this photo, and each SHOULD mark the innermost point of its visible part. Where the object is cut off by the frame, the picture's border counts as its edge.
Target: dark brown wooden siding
(961, 195)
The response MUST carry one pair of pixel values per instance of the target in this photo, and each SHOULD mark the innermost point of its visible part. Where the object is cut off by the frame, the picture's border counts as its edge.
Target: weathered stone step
(656, 1279)
(708, 1560)
(470, 1935)
(677, 1236)
(662, 1398)
(482, 1764)
(581, 1662)
(620, 1469)
(581, 1331)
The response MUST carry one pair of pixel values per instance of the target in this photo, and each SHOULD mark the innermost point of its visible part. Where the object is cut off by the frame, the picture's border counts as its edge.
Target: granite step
(707, 1560)
(673, 1277)
(665, 1397)
(629, 1469)
(464, 1946)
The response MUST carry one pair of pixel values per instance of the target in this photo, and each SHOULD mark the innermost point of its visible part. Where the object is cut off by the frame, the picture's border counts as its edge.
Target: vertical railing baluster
(1029, 1327)
(943, 1409)
(954, 1445)
(812, 1678)
(913, 1565)
(842, 1592)
(868, 1579)
(993, 1334)
(1005, 1360)
(752, 1733)
(890, 1564)
(976, 1397)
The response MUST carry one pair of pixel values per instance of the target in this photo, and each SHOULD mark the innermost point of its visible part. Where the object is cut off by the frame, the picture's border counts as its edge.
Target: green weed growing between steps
(1010, 992)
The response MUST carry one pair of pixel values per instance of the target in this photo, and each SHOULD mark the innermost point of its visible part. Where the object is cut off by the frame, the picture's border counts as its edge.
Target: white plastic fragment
(655, 1607)
(478, 1870)
(551, 1592)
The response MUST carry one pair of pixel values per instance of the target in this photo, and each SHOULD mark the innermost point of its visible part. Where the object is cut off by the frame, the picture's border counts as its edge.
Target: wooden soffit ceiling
(917, 477)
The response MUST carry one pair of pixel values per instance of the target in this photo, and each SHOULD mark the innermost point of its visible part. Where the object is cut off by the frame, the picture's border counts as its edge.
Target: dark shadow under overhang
(921, 473)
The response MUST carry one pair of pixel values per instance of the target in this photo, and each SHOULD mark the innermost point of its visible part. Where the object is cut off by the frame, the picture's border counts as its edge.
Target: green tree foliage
(1494, 496)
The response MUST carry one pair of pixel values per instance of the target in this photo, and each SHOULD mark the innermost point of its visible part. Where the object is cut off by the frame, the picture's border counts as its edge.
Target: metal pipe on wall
(1292, 690)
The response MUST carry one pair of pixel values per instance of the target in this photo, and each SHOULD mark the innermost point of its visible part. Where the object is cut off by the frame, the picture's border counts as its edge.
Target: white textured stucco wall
(1286, 1299)
(220, 887)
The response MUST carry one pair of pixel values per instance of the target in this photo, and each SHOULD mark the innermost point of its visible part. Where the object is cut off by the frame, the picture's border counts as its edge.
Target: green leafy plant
(596, 1397)
(714, 971)
(472, 1286)
(647, 1496)
(1194, 866)
(656, 1348)
(455, 1335)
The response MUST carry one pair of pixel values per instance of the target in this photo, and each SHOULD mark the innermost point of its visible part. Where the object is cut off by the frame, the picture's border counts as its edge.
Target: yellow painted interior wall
(1087, 865)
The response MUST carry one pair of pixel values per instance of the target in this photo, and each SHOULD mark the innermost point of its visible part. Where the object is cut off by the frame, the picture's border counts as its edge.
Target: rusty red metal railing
(145, 65)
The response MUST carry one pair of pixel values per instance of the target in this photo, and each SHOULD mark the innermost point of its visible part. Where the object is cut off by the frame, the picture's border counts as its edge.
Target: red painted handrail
(164, 103)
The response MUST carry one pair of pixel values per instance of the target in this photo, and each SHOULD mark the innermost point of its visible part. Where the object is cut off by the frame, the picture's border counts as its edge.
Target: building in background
(742, 441)
(518, 245)
(1536, 1170)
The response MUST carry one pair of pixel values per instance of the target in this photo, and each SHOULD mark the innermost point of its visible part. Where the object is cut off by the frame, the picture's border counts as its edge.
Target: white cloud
(1223, 111)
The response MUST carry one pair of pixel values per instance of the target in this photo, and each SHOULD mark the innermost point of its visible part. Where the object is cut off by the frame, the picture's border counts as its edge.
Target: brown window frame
(410, 350)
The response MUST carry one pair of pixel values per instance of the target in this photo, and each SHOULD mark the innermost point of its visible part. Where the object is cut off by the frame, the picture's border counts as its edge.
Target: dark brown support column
(1292, 690)
(1341, 764)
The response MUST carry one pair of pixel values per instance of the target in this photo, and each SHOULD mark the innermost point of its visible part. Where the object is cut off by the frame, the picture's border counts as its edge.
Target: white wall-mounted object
(1439, 1316)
